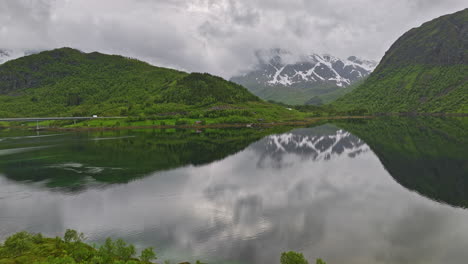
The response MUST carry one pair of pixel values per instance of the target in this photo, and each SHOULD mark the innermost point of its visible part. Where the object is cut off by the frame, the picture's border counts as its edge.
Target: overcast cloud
(216, 36)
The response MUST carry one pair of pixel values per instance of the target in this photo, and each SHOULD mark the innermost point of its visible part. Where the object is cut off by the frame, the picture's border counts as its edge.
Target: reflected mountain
(317, 143)
(78, 160)
(426, 154)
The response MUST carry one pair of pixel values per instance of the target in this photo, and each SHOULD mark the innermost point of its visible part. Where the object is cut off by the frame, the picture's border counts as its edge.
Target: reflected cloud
(332, 198)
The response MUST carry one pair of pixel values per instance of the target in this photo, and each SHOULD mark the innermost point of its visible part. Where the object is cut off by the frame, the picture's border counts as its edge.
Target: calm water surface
(390, 190)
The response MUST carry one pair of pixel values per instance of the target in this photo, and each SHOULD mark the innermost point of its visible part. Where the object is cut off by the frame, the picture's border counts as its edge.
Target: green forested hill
(65, 82)
(425, 70)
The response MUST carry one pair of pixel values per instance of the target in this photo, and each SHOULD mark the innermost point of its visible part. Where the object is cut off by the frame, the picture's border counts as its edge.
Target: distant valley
(306, 79)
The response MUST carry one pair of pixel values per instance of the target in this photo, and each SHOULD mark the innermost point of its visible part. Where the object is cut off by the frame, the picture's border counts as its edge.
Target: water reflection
(321, 190)
(76, 161)
(427, 155)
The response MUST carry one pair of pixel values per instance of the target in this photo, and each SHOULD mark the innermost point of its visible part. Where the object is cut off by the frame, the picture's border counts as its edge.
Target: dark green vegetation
(333, 95)
(312, 110)
(426, 154)
(116, 156)
(295, 95)
(27, 248)
(292, 257)
(425, 70)
(299, 94)
(67, 82)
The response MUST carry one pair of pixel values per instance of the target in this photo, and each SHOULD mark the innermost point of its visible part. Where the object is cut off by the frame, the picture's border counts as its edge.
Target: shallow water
(387, 190)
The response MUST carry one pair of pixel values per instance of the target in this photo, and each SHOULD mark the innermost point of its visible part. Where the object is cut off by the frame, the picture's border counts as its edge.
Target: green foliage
(19, 243)
(26, 248)
(124, 251)
(57, 260)
(147, 255)
(181, 122)
(73, 236)
(416, 88)
(292, 257)
(205, 89)
(325, 110)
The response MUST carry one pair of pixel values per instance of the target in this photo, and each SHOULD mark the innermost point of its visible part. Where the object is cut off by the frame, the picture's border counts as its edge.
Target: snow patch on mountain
(281, 68)
(324, 68)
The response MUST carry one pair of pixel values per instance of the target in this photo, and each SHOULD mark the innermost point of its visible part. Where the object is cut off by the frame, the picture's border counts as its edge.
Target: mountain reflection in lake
(245, 196)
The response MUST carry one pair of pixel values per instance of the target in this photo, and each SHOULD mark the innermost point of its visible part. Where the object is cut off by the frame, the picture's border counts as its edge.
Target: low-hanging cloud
(216, 36)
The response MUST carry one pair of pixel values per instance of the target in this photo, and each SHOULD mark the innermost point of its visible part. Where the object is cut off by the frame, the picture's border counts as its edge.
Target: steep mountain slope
(425, 70)
(68, 82)
(281, 77)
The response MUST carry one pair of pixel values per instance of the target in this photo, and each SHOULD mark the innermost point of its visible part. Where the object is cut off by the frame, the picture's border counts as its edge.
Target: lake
(383, 190)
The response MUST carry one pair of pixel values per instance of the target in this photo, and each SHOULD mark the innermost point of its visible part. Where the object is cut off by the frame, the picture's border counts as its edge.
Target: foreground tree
(292, 257)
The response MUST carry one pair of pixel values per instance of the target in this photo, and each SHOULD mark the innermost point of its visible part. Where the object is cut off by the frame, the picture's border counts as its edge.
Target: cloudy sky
(216, 36)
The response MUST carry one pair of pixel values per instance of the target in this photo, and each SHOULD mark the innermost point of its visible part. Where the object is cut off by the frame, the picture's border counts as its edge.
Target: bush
(147, 255)
(124, 251)
(73, 236)
(19, 243)
(292, 257)
(181, 122)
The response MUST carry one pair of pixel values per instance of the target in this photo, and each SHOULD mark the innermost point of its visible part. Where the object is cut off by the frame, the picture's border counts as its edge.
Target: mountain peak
(279, 69)
(441, 41)
(423, 71)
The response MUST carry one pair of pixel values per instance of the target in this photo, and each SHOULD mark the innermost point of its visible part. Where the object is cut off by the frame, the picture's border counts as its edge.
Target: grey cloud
(243, 15)
(211, 30)
(216, 36)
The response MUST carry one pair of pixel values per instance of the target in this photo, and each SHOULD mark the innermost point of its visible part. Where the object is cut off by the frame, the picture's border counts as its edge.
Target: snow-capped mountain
(319, 143)
(308, 75)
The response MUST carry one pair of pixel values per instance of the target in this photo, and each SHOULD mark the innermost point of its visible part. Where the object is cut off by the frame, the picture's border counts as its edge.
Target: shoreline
(307, 121)
(193, 126)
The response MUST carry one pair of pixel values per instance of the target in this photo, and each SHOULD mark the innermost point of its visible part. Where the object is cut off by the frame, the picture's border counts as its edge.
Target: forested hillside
(426, 70)
(67, 82)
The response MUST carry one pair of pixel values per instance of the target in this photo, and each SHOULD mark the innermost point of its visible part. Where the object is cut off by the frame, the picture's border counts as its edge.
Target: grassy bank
(137, 123)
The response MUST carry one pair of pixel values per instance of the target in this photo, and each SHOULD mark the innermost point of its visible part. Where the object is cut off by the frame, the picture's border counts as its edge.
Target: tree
(147, 255)
(292, 257)
(73, 236)
(19, 243)
(124, 251)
